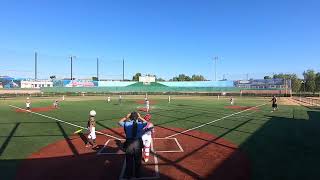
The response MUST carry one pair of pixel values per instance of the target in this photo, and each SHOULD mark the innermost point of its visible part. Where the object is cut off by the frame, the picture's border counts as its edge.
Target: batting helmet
(148, 117)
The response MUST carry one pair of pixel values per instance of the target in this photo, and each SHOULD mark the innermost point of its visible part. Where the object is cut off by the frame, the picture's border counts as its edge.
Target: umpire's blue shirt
(128, 125)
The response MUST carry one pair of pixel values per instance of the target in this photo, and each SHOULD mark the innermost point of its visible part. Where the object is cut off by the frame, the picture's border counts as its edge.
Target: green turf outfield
(281, 145)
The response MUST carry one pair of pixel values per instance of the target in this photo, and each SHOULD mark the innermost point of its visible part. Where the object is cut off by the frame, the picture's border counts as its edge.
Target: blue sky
(162, 37)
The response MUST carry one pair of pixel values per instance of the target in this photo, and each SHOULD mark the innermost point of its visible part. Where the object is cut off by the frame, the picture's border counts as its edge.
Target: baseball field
(195, 138)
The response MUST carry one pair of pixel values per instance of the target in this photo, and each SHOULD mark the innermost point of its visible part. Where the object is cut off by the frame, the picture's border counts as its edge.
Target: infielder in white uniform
(92, 130)
(147, 138)
(109, 99)
(56, 104)
(147, 105)
(28, 104)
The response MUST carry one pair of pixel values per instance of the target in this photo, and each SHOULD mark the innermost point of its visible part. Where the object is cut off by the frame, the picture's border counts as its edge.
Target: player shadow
(83, 138)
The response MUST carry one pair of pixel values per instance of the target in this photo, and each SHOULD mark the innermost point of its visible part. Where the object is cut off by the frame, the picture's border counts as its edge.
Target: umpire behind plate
(133, 125)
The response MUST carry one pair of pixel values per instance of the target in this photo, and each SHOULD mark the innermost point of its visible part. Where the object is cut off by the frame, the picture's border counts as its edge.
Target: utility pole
(98, 69)
(71, 59)
(215, 67)
(35, 65)
(122, 69)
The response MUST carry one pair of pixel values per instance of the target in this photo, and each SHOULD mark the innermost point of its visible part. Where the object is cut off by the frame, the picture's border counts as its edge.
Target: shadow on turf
(284, 148)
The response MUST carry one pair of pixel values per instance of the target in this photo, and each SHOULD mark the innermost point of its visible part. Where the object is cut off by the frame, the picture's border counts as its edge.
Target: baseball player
(274, 101)
(169, 99)
(120, 99)
(56, 104)
(28, 104)
(109, 99)
(147, 102)
(231, 100)
(92, 130)
(147, 138)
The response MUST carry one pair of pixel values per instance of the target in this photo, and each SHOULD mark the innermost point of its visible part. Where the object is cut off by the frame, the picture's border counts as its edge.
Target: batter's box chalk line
(105, 147)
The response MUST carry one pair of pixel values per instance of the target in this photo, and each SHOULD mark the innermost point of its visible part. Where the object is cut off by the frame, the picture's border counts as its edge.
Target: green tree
(197, 78)
(318, 81)
(136, 77)
(295, 81)
(267, 77)
(310, 80)
(95, 79)
(160, 79)
(53, 77)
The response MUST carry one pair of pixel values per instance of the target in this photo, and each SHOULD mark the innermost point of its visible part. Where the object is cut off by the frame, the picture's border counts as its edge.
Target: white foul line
(98, 132)
(197, 127)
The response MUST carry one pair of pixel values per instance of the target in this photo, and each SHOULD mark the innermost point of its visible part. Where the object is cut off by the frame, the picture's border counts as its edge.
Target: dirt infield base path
(204, 156)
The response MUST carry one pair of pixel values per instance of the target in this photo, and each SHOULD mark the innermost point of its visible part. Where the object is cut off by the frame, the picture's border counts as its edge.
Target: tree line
(309, 83)
(180, 77)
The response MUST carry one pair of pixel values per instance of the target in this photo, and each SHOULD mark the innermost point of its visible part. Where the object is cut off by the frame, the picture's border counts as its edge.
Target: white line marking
(121, 153)
(156, 168)
(197, 127)
(71, 124)
(105, 145)
(179, 144)
(175, 151)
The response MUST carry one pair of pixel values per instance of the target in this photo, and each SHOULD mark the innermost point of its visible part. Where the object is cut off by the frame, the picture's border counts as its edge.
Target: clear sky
(162, 37)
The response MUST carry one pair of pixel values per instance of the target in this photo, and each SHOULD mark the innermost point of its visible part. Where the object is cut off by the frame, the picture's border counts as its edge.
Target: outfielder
(120, 99)
(92, 130)
(147, 138)
(109, 99)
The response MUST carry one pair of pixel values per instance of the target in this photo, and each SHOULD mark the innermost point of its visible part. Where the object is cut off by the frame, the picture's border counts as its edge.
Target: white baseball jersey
(92, 134)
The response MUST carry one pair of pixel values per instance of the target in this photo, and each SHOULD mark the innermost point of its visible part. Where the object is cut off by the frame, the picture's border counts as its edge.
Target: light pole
(71, 60)
(98, 69)
(122, 69)
(35, 65)
(215, 67)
